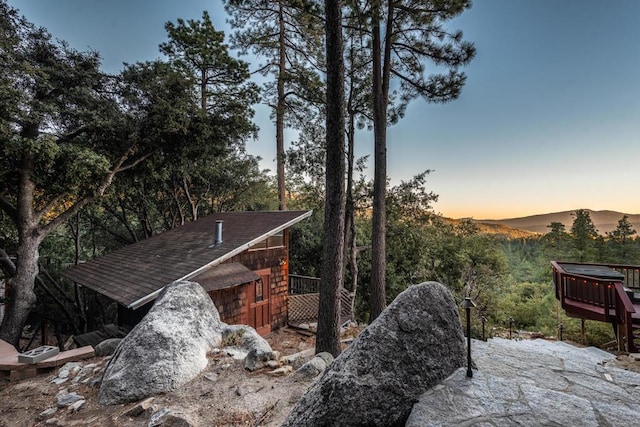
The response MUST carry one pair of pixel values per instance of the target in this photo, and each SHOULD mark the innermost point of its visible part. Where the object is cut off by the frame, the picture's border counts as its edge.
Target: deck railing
(598, 298)
(299, 285)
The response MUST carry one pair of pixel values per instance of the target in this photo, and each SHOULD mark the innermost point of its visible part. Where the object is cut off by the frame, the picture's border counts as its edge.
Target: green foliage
(621, 242)
(583, 234)
(306, 246)
(199, 50)
(67, 130)
(531, 305)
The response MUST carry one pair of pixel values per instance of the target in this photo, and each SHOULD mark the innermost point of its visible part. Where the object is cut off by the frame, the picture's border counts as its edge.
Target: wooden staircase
(603, 292)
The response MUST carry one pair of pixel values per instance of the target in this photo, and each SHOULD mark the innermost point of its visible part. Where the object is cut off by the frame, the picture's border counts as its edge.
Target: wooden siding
(271, 259)
(231, 304)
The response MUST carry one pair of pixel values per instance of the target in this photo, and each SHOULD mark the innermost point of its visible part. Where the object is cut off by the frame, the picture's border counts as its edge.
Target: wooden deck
(603, 292)
(15, 370)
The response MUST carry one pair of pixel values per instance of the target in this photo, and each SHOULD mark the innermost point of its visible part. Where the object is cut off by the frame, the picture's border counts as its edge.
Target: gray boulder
(107, 347)
(243, 338)
(412, 346)
(258, 359)
(313, 367)
(166, 349)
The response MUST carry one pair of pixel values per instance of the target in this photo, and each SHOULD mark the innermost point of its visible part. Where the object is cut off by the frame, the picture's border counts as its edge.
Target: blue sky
(549, 119)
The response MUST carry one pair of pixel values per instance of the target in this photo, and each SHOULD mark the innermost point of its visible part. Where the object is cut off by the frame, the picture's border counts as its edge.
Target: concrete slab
(38, 354)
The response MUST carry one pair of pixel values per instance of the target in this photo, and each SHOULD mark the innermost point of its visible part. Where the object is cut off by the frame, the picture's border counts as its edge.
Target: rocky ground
(225, 394)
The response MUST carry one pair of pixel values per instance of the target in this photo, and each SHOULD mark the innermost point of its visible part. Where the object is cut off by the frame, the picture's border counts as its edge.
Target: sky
(548, 121)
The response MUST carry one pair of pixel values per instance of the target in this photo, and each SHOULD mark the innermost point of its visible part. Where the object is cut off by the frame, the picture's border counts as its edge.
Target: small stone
(211, 376)
(83, 373)
(47, 413)
(77, 405)
(139, 408)
(273, 364)
(282, 371)
(68, 399)
(71, 366)
(58, 381)
(107, 347)
(258, 358)
(51, 422)
(158, 416)
(95, 382)
(311, 369)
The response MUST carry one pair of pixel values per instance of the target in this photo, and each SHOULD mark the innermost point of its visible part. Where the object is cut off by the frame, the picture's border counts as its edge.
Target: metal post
(510, 325)
(484, 320)
(468, 304)
(560, 328)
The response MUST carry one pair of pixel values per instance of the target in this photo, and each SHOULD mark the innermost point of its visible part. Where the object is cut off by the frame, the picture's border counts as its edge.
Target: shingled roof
(135, 274)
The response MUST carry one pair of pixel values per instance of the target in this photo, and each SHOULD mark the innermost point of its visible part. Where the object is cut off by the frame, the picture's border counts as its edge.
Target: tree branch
(6, 264)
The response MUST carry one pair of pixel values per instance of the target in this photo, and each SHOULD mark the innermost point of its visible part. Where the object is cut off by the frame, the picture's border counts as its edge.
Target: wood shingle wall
(232, 302)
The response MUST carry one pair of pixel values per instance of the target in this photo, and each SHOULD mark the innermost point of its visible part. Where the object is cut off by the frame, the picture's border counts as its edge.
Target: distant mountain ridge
(605, 221)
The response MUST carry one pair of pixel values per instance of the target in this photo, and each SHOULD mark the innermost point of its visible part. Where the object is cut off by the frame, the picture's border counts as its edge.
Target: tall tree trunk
(349, 206)
(377, 298)
(21, 296)
(328, 337)
(282, 194)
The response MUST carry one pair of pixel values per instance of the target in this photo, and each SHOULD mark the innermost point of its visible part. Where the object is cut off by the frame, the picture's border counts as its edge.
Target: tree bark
(328, 337)
(349, 217)
(377, 298)
(282, 194)
(21, 297)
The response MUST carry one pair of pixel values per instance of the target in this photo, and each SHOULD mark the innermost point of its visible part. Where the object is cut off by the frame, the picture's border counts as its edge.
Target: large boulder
(166, 349)
(413, 345)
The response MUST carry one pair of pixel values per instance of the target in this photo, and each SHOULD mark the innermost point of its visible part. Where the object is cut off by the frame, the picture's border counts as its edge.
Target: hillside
(496, 229)
(605, 221)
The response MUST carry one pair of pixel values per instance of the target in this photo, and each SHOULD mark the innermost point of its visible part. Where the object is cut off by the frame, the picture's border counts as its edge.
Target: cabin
(602, 292)
(241, 259)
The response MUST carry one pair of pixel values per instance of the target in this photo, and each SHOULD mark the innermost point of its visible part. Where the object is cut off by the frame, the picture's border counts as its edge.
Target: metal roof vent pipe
(218, 235)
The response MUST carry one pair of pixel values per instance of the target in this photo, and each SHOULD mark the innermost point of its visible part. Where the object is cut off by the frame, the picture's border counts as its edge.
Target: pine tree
(405, 35)
(583, 234)
(328, 338)
(288, 34)
(621, 240)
